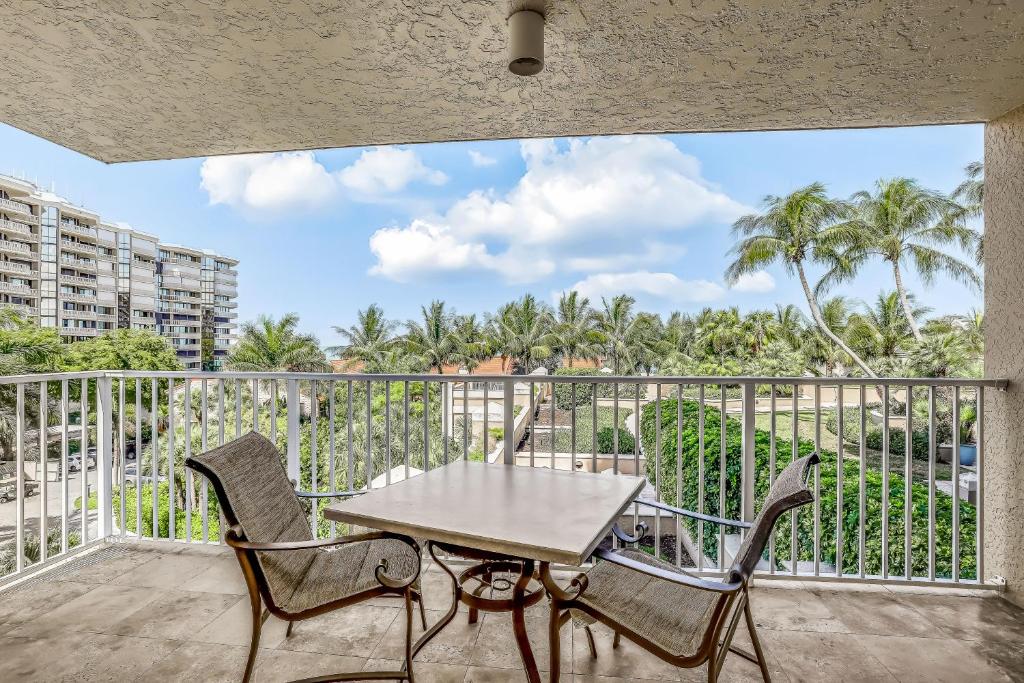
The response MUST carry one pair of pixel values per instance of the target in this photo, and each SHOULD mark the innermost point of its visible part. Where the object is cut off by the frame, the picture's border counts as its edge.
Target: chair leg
(254, 643)
(616, 640)
(761, 662)
(555, 643)
(408, 632)
(288, 633)
(590, 641)
(423, 611)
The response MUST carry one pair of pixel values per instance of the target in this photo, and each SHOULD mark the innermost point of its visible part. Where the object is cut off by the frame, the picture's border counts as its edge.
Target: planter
(968, 454)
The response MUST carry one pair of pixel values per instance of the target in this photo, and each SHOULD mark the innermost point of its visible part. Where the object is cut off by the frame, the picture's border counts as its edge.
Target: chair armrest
(696, 515)
(328, 494)
(659, 573)
(234, 538)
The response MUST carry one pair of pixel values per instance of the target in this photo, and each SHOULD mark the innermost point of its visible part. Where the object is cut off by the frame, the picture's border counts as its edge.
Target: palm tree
(821, 348)
(267, 345)
(720, 332)
(902, 221)
(804, 225)
(434, 341)
(971, 195)
(789, 324)
(576, 329)
(759, 330)
(628, 337)
(521, 330)
(680, 333)
(473, 344)
(368, 340)
(941, 355)
(882, 330)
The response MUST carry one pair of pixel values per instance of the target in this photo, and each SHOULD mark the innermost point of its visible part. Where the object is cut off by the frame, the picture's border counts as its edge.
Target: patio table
(508, 519)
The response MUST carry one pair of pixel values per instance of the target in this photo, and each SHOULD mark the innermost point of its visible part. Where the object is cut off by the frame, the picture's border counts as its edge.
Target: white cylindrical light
(526, 43)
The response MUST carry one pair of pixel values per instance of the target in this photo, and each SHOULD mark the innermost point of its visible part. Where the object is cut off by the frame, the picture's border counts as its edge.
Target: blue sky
(326, 233)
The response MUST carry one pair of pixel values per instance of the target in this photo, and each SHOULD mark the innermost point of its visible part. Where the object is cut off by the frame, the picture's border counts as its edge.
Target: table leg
(519, 622)
(446, 619)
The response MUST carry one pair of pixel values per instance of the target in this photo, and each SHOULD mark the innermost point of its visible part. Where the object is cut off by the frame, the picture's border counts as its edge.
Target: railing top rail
(580, 379)
(52, 377)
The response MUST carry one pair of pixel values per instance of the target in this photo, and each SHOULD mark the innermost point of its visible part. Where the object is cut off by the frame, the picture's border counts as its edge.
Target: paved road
(8, 510)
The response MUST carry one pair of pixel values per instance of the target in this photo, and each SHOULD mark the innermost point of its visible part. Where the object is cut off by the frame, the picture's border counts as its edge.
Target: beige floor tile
(277, 666)
(101, 568)
(234, 627)
(425, 672)
(485, 674)
(496, 647)
(96, 611)
(793, 611)
(79, 656)
(453, 645)
(930, 660)
(628, 661)
(28, 602)
(876, 613)
(223, 576)
(175, 615)
(815, 656)
(353, 631)
(201, 663)
(970, 618)
(167, 571)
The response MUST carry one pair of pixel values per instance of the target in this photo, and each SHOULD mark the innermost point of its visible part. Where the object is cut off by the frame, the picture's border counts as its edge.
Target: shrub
(564, 391)
(606, 440)
(827, 501)
(873, 439)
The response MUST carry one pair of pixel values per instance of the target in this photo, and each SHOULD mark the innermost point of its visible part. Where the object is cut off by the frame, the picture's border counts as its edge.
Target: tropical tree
(680, 333)
(882, 330)
(941, 355)
(902, 222)
(821, 349)
(433, 340)
(628, 337)
(720, 333)
(804, 226)
(971, 196)
(576, 333)
(759, 330)
(522, 331)
(369, 340)
(473, 342)
(789, 324)
(268, 345)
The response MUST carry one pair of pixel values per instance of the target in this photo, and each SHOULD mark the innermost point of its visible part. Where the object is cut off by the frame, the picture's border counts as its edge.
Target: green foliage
(564, 391)
(122, 350)
(688, 439)
(32, 554)
(606, 440)
(163, 514)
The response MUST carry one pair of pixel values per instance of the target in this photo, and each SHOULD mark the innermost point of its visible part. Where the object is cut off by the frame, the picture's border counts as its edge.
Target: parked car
(8, 490)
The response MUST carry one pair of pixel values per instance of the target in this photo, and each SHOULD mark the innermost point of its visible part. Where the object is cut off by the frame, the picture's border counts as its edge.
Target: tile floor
(149, 614)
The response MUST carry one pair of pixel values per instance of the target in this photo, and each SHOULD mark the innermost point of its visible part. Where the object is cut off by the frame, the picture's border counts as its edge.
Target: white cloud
(479, 159)
(388, 169)
(758, 282)
(267, 181)
(666, 286)
(602, 200)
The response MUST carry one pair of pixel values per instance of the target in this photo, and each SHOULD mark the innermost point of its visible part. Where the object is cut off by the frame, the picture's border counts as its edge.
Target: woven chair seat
(672, 616)
(350, 569)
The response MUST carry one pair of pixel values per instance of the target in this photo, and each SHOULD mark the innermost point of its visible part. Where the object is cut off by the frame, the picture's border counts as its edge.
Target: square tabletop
(527, 512)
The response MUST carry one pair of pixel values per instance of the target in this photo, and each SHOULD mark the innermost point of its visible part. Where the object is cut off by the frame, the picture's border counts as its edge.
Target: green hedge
(805, 525)
(584, 392)
(606, 440)
(875, 437)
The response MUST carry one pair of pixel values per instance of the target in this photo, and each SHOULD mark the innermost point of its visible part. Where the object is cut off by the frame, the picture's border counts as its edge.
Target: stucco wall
(1004, 350)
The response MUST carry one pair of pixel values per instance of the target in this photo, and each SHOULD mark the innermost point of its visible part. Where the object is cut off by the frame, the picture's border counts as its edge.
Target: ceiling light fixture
(526, 43)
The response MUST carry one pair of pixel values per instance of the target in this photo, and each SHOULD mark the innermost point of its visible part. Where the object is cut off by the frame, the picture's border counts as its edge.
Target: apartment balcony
(107, 317)
(77, 280)
(76, 229)
(11, 288)
(16, 206)
(23, 309)
(82, 298)
(78, 331)
(16, 268)
(78, 247)
(17, 248)
(116, 592)
(81, 264)
(17, 227)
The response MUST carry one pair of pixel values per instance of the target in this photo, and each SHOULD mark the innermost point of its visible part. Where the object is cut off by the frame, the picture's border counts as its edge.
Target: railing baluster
(636, 451)
(615, 428)
(885, 481)
(171, 531)
(331, 446)
(677, 521)
(657, 467)
(956, 485)
(387, 435)
(817, 481)
(862, 509)
(64, 473)
(189, 483)
(772, 464)
(221, 422)
(487, 415)
(154, 440)
(405, 433)
(44, 418)
(572, 426)
(255, 392)
(908, 479)
(351, 453)
(426, 426)
(593, 428)
(932, 452)
(445, 415)
(553, 430)
(19, 479)
(533, 422)
(979, 507)
(840, 470)
(238, 408)
(314, 417)
(273, 411)
(722, 472)
(369, 432)
(700, 475)
(794, 549)
(204, 445)
(83, 444)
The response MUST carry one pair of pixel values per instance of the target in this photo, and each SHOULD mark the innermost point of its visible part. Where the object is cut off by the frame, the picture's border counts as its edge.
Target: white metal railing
(16, 227)
(341, 432)
(13, 205)
(78, 229)
(15, 289)
(14, 267)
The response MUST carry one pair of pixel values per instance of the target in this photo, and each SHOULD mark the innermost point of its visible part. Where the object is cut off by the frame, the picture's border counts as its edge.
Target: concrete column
(1004, 351)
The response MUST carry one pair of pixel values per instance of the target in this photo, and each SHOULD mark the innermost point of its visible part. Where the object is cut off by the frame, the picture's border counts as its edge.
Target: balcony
(85, 230)
(23, 309)
(81, 264)
(17, 227)
(17, 248)
(156, 599)
(78, 247)
(79, 331)
(16, 206)
(82, 298)
(15, 267)
(77, 280)
(11, 288)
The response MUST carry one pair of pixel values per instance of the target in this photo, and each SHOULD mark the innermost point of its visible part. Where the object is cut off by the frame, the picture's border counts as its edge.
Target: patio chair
(295, 576)
(683, 619)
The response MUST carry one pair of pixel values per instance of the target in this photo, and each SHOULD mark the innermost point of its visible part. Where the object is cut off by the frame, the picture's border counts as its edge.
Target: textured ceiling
(150, 79)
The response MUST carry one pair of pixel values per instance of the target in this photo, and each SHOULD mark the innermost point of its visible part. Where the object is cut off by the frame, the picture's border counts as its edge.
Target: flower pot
(968, 454)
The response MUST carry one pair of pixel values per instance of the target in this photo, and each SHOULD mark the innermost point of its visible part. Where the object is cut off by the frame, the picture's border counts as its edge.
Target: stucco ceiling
(175, 78)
